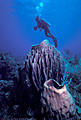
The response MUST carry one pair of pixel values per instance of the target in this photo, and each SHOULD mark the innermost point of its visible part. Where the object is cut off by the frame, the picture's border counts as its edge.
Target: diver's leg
(52, 37)
(54, 40)
(49, 33)
(46, 33)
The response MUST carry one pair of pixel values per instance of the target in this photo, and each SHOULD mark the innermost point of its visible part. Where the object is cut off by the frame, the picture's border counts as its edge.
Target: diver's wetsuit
(44, 25)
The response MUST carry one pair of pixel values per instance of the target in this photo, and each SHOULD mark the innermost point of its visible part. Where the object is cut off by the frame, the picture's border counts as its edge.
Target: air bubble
(41, 4)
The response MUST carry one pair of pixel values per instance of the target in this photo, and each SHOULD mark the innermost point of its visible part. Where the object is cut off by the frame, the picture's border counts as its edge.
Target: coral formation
(22, 86)
(8, 67)
(73, 71)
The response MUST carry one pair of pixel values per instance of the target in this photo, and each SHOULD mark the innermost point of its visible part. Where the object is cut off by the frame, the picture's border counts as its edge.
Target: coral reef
(8, 67)
(22, 86)
(6, 99)
(73, 71)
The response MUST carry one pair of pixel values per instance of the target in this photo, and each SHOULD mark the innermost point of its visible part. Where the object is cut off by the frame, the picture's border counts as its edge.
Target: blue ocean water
(17, 19)
(17, 35)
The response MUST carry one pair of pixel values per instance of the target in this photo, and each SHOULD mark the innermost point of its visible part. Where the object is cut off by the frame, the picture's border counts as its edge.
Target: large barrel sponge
(57, 101)
(43, 62)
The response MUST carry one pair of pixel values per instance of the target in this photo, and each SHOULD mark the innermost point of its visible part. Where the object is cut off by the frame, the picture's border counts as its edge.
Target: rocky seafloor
(44, 86)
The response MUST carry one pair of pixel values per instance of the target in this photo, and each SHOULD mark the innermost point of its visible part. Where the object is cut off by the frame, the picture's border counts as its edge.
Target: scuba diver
(45, 26)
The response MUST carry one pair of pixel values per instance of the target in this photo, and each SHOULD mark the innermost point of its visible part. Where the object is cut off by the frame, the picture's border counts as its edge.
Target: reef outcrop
(34, 90)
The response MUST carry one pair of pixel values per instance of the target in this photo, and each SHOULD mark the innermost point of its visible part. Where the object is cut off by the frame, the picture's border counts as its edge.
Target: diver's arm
(45, 22)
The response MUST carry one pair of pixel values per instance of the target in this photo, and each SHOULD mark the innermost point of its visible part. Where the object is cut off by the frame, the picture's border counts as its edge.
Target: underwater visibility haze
(40, 59)
(17, 20)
